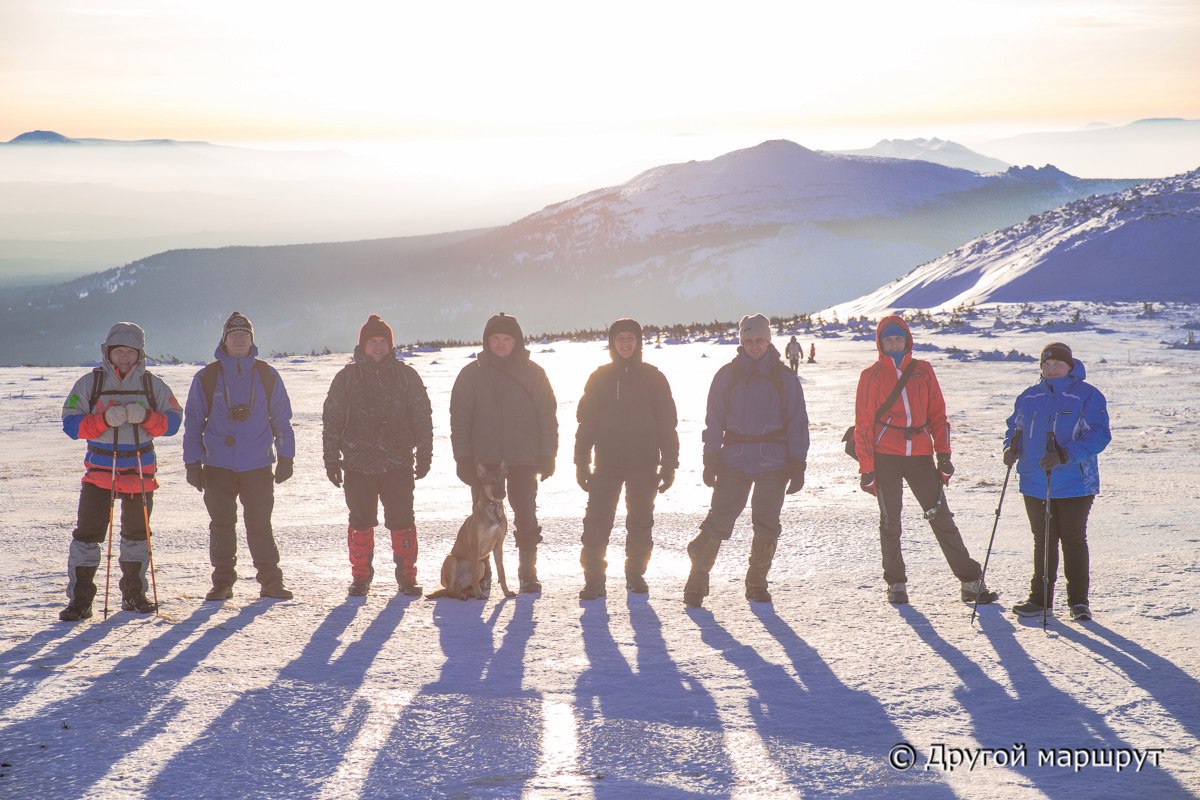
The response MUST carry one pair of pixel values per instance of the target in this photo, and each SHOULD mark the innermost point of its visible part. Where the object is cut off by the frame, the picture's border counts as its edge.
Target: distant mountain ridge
(54, 138)
(1142, 244)
(938, 151)
(776, 228)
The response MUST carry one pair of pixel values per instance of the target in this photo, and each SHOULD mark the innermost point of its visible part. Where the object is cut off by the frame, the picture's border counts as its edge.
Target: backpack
(98, 389)
(208, 382)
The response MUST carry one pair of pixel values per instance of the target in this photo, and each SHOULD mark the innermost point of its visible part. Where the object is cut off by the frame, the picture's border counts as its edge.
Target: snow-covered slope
(938, 151)
(1140, 244)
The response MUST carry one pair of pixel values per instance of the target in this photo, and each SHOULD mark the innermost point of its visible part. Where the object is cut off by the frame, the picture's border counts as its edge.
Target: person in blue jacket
(1057, 428)
(237, 419)
(755, 438)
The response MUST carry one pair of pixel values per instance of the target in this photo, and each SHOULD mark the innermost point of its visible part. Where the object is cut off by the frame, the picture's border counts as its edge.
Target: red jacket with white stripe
(915, 424)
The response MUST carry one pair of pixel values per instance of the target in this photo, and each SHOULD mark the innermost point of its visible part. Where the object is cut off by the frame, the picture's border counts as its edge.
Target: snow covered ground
(329, 697)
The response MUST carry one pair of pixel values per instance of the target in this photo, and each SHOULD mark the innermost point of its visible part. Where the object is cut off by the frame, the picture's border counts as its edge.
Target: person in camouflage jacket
(378, 440)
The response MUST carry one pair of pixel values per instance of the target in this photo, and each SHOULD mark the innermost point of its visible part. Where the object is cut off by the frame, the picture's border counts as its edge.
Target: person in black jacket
(377, 441)
(627, 415)
(503, 411)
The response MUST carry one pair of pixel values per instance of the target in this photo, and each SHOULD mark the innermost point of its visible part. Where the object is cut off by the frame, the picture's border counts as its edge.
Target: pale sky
(266, 70)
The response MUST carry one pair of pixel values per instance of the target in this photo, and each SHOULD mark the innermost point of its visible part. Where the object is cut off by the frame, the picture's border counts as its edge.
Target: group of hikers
(378, 441)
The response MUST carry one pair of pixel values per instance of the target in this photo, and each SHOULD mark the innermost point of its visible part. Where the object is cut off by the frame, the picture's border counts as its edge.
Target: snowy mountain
(938, 151)
(1148, 148)
(776, 228)
(1140, 244)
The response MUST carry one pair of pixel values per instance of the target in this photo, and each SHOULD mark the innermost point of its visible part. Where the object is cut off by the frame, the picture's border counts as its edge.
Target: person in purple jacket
(237, 418)
(755, 438)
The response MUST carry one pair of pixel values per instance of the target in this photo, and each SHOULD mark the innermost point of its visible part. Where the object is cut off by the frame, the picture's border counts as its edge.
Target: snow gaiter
(361, 545)
(404, 553)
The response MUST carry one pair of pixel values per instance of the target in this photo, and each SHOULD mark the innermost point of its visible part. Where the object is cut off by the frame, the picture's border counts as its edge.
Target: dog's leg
(498, 557)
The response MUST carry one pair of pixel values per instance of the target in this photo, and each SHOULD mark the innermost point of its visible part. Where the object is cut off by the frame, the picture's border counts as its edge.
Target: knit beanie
(1059, 352)
(504, 323)
(624, 325)
(893, 329)
(237, 322)
(373, 327)
(754, 326)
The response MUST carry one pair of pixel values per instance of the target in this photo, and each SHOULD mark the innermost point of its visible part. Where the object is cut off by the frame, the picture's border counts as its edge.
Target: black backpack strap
(98, 388)
(148, 388)
(208, 383)
(266, 376)
(97, 385)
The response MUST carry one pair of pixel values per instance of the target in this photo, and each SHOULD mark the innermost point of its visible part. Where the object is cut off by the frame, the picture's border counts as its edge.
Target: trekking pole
(112, 503)
(137, 444)
(1014, 442)
(1050, 447)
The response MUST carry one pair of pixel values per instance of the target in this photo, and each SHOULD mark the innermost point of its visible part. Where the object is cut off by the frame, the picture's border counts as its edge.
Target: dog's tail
(439, 593)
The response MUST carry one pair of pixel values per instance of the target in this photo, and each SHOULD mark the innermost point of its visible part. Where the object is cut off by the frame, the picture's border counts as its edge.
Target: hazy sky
(838, 74)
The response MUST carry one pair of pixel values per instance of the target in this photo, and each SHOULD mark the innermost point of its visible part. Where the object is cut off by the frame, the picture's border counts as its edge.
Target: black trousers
(365, 492)
(919, 472)
(521, 487)
(1068, 527)
(604, 493)
(255, 488)
(92, 521)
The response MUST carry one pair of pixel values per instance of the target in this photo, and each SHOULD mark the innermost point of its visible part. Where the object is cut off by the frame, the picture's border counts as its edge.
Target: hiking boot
(527, 570)
(75, 612)
(762, 553)
(703, 552)
(636, 562)
(408, 586)
(636, 584)
(358, 588)
(1080, 612)
(220, 591)
(275, 590)
(693, 599)
(594, 566)
(977, 591)
(897, 594)
(1028, 609)
(137, 601)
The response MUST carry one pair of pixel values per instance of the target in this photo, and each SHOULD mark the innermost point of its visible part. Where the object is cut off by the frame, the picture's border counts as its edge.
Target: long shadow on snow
(72, 743)
(32, 665)
(474, 732)
(828, 739)
(1041, 716)
(650, 733)
(287, 739)
(1172, 688)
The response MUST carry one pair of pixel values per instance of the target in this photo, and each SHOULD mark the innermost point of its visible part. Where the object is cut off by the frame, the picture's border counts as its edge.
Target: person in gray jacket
(503, 411)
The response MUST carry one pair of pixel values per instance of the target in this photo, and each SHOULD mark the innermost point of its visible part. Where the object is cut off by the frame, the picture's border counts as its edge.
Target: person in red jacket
(897, 445)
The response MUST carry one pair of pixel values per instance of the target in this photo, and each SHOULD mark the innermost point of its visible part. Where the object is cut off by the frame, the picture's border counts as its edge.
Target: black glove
(796, 472)
(866, 482)
(583, 476)
(712, 465)
(545, 466)
(333, 469)
(666, 477)
(465, 469)
(1054, 458)
(945, 468)
(283, 469)
(195, 476)
(1011, 454)
(421, 469)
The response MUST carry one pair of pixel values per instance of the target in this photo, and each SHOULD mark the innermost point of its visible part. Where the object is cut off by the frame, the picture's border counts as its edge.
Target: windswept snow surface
(627, 697)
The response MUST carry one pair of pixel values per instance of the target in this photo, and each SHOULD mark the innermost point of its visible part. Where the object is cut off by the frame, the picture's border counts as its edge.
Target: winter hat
(125, 334)
(1059, 352)
(893, 329)
(503, 323)
(373, 327)
(756, 326)
(237, 322)
(624, 325)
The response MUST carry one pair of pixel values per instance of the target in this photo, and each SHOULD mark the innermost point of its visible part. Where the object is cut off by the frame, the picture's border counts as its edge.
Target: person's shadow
(291, 736)
(649, 732)
(112, 717)
(1034, 712)
(462, 734)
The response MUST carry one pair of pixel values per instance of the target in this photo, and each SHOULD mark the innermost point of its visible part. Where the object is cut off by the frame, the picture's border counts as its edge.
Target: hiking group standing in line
(378, 441)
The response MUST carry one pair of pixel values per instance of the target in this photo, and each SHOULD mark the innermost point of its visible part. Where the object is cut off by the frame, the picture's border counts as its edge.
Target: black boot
(82, 593)
(594, 565)
(133, 596)
(527, 569)
(635, 570)
(406, 581)
(762, 553)
(703, 552)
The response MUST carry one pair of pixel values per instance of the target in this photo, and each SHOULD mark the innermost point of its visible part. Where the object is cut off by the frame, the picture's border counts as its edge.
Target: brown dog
(482, 534)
